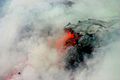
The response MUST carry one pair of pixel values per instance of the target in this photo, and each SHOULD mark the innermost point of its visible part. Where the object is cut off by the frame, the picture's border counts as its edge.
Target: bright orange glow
(61, 42)
(69, 38)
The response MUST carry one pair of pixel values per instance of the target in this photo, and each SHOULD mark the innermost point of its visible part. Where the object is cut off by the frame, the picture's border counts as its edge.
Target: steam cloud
(26, 27)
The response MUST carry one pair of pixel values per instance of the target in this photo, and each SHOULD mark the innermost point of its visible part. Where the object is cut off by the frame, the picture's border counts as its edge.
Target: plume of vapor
(26, 27)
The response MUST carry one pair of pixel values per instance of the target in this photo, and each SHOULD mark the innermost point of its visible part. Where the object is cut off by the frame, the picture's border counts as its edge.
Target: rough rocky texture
(85, 44)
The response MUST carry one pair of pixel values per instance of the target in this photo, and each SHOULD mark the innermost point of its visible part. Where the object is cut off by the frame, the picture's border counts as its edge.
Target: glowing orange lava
(69, 39)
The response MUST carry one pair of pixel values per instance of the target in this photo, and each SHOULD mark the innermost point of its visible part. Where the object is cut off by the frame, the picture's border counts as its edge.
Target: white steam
(24, 27)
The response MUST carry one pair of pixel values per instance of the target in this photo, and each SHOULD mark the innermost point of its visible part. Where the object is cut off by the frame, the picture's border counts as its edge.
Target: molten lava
(69, 39)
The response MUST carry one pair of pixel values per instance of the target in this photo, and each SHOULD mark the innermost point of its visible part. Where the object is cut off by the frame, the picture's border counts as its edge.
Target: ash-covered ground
(29, 32)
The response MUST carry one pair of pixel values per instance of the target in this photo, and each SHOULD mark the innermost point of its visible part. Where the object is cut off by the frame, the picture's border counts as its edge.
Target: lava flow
(69, 39)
